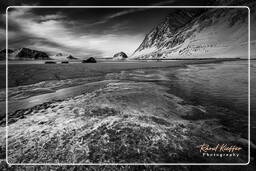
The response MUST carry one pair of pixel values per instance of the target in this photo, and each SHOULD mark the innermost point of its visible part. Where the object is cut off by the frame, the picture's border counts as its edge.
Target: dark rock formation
(176, 19)
(89, 60)
(25, 53)
(50, 62)
(120, 56)
(71, 57)
(3, 53)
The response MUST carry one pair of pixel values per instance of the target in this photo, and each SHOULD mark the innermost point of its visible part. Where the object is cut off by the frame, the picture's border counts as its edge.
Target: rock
(62, 56)
(89, 60)
(50, 62)
(59, 54)
(120, 56)
(25, 53)
(71, 57)
(3, 53)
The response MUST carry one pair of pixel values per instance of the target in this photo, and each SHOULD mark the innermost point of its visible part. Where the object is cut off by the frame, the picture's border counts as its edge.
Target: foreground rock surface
(114, 123)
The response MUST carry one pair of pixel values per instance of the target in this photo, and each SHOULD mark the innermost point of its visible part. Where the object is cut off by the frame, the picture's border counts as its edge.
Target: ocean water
(142, 115)
(227, 83)
(220, 87)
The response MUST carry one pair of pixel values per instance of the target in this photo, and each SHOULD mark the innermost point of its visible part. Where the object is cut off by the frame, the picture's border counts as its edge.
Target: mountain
(61, 56)
(3, 53)
(120, 56)
(197, 33)
(28, 54)
(70, 57)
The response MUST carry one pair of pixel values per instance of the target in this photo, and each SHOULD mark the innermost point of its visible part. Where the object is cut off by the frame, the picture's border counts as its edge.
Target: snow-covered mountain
(198, 33)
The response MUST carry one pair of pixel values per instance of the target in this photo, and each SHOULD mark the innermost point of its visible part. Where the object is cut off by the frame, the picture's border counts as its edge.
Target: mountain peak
(175, 20)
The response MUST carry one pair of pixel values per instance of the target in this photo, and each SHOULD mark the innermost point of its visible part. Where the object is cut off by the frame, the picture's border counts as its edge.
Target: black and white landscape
(127, 85)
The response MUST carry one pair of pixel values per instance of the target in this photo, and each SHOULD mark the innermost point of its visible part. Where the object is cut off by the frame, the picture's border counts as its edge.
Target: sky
(82, 32)
(89, 32)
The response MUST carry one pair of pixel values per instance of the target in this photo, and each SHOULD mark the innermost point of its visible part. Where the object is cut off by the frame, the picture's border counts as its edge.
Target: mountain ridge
(24, 54)
(211, 33)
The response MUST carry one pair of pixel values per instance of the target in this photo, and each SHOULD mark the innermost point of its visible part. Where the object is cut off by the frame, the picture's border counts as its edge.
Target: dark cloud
(4, 4)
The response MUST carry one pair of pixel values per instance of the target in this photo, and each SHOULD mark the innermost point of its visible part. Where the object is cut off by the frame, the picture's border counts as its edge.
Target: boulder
(89, 60)
(120, 56)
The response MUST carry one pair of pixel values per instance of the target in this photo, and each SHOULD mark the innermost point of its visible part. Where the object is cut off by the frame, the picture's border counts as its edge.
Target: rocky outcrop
(62, 56)
(70, 57)
(120, 56)
(26, 53)
(3, 53)
(89, 60)
(177, 19)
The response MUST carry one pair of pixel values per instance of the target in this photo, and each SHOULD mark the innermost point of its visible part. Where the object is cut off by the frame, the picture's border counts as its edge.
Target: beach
(143, 112)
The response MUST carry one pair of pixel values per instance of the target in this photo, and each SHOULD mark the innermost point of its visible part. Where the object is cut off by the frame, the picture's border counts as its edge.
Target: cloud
(130, 11)
(125, 12)
(110, 43)
(164, 3)
(51, 33)
(115, 15)
(52, 17)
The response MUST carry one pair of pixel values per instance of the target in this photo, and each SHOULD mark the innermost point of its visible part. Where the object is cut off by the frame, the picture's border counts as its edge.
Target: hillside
(198, 33)
(27, 54)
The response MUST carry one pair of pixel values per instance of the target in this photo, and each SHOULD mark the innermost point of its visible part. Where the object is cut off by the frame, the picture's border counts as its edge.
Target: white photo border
(152, 7)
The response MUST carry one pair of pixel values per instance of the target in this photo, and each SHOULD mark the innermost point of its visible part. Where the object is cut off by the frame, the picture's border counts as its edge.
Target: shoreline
(92, 74)
(19, 74)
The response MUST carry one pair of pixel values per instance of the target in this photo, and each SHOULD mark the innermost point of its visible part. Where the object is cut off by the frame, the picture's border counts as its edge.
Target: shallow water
(221, 87)
(227, 83)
